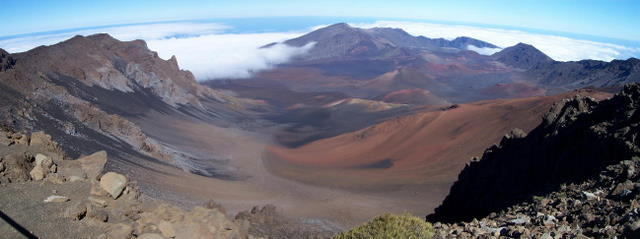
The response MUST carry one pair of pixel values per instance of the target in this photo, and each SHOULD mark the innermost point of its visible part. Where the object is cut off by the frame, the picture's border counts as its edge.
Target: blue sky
(607, 18)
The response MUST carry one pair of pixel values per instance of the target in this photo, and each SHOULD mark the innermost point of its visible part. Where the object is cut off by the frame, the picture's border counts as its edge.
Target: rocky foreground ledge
(44, 195)
(576, 175)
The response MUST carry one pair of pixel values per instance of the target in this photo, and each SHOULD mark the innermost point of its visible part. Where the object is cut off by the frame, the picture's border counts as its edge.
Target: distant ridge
(343, 40)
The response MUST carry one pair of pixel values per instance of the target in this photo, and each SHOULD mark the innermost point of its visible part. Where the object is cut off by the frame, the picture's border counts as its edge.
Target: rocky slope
(88, 91)
(581, 160)
(603, 206)
(53, 197)
(557, 76)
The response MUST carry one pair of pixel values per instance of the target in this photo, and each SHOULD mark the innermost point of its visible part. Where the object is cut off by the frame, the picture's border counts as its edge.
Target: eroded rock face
(6, 61)
(577, 139)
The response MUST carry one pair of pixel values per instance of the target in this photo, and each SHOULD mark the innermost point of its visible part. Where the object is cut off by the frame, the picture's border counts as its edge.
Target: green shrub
(391, 226)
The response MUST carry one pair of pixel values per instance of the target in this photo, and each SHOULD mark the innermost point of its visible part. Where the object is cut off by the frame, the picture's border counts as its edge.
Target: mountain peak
(343, 40)
(523, 56)
(340, 25)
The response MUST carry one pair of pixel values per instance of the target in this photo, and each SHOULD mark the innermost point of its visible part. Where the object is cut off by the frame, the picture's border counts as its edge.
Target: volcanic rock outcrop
(76, 199)
(577, 139)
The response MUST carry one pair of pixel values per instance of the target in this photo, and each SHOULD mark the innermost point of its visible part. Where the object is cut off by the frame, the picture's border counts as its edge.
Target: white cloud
(202, 48)
(125, 33)
(228, 55)
(211, 53)
(483, 50)
(557, 47)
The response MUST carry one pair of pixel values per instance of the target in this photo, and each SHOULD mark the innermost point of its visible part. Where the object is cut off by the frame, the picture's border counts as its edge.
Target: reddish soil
(413, 96)
(423, 148)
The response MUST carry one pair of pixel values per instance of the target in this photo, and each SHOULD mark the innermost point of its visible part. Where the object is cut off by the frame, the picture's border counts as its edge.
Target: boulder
(44, 161)
(166, 229)
(93, 164)
(56, 198)
(37, 173)
(113, 183)
(43, 166)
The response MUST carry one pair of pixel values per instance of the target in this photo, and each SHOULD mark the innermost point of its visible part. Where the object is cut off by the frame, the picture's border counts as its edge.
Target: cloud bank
(557, 47)
(202, 48)
(210, 52)
(219, 56)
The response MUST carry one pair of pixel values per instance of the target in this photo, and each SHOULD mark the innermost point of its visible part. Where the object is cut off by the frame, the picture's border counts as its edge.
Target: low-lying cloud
(557, 47)
(202, 48)
(219, 56)
(210, 52)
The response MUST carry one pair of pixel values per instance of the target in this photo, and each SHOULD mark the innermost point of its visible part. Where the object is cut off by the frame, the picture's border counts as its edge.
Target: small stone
(549, 221)
(631, 171)
(546, 236)
(56, 178)
(623, 189)
(589, 217)
(75, 179)
(113, 183)
(98, 201)
(76, 211)
(53, 168)
(120, 230)
(56, 198)
(520, 220)
(97, 214)
(590, 196)
(150, 236)
(166, 229)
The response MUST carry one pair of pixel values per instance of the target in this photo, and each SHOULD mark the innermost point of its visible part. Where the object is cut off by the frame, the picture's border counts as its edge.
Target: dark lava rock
(572, 177)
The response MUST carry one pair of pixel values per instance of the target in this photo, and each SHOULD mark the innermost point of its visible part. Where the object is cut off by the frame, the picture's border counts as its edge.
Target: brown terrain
(430, 147)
